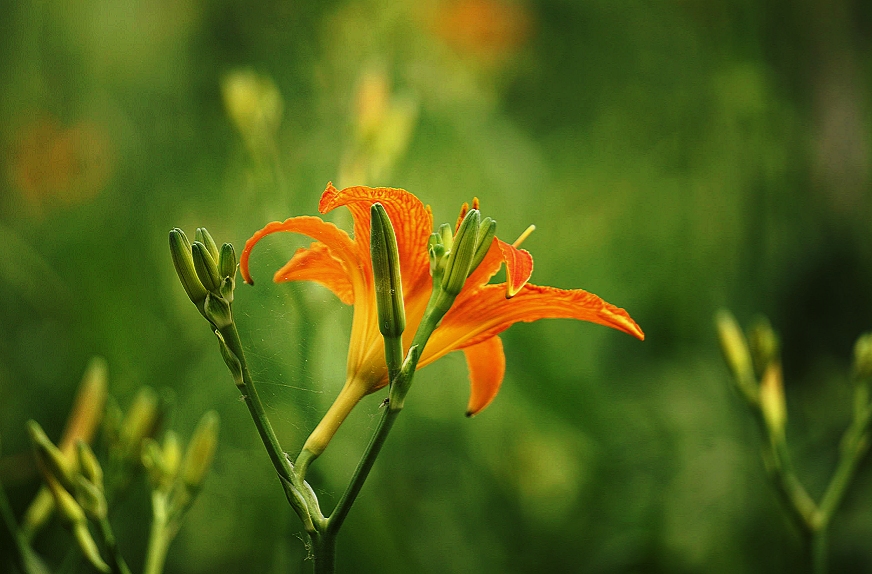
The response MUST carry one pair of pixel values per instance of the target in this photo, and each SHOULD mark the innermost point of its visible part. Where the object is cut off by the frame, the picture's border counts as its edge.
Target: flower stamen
(523, 236)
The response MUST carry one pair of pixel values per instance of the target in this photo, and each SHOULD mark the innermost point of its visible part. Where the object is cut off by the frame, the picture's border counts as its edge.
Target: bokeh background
(676, 157)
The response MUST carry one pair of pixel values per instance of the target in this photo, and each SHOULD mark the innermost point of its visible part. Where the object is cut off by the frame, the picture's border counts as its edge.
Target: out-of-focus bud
(91, 498)
(217, 310)
(201, 450)
(254, 105)
(89, 466)
(227, 261)
(386, 274)
(203, 236)
(863, 357)
(88, 407)
(231, 360)
(152, 461)
(772, 402)
(462, 252)
(736, 353)
(763, 343)
(207, 269)
(183, 260)
(486, 234)
(51, 460)
(88, 546)
(172, 453)
(140, 422)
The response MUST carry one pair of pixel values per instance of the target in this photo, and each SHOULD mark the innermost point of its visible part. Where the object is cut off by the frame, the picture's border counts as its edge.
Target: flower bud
(772, 400)
(486, 233)
(763, 343)
(51, 460)
(386, 274)
(205, 238)
(172, 453)
(152, 461)
(201, 450)
(227, 261)
(446, 237)
(89, 466)
(863, 357)
(217, 310)
(736, 353)
(140, 422)
(462, 251)
(91, 498)
(89, 547)
(207, 269)
(180, 249)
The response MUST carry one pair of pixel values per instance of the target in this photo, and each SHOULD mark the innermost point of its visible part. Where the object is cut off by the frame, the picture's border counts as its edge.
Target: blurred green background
(676, 157)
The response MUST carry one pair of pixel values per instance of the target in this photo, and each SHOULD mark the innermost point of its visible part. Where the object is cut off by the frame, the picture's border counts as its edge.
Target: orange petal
(317, 264)
(519, 267)
(335, 239)
(487, 268)
(487, 366)
(412, 222)
(486, 312)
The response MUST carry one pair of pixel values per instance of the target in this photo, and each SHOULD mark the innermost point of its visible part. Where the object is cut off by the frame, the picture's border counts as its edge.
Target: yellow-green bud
(446, 237)
(205, 238)
(172, 453)
(139, 423)
(200, 451)
(486, 233)
(217, 310)
(763, 343)
(386, 274)
(206, 268)
(736, 353)
(227, 261)
(462, 251)
(863, 357)
(89, 466)
(772, 401)
(51, 460)
(88, 546)
(183, 261)
(152, 461)
(231, 360)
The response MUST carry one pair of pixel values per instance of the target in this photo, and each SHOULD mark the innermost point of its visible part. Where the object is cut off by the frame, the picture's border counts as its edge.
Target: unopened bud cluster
(207, 273)
(453, 257)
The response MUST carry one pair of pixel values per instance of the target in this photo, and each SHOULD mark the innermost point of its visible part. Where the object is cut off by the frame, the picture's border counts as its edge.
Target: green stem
(27, 559)
(819, 550)
(854, 445)
(116, 560)
(159, 537)
(324, 549)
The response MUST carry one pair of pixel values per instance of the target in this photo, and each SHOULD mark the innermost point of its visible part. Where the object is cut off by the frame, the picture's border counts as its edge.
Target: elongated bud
(863, 357)
(205, 238)
(772, 400)
(153, 462)
(89, 466)
(51, 460)
(172, 453)
(207, 269)
(736, 353)
(201, 450)
(88, 546)
(763, 343)
(460, 258)
(217, 310)
(446, 236)
(486, 233)
(231, 360)
(227, 261)
(386, 274)
(69, 510)
(183, 261)
(140, 422)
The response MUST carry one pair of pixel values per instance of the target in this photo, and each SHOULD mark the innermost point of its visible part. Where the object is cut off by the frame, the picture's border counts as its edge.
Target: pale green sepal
(217, 310)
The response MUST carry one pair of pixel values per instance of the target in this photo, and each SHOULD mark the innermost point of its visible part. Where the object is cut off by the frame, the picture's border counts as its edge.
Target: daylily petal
(487, 367)
(335, 239)
(318, 264)
(519, 267)
(412, 223)
(487, 268)
(486, 312)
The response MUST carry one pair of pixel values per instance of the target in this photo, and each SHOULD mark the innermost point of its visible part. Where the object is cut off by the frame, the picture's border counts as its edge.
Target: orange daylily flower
(480, 312)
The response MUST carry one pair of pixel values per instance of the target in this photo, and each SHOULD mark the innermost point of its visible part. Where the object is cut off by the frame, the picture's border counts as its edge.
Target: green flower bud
(217, 310)
(228, 284)
(183, 261)
(446, 237)
(763, 343)
(227, 261)
(172, 453)
(736, 353)
(51, 460)
(140, 422)
(200, 451)
(231, 360)
(772, 402)
(863, 357)
(89, 547)
(460, 258)
(205, 238)
(207, 269)
(437, 259)
(486, 233)
(386, 274)
(89, 466)
(152, 461)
